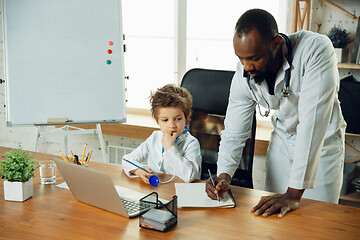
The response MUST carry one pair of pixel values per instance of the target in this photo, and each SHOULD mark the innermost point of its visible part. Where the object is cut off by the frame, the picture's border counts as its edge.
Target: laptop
(96, 188)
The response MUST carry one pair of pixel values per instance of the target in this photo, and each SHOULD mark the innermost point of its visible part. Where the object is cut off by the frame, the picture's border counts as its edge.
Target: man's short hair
(171, 95)
(258, 19)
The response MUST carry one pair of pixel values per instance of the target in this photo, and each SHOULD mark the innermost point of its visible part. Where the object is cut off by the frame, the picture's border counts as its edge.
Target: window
(149, 38)
(149, 29)
(210, 30)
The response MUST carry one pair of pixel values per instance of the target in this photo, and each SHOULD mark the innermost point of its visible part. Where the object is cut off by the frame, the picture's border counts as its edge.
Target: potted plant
(340, 38)
(17, 171)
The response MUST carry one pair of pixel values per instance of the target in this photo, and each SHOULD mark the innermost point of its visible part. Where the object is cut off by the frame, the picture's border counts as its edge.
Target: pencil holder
(81, 160)
(160, 217)
(77, 160)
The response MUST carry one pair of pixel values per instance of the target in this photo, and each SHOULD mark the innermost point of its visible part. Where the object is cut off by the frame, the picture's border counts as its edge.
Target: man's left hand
(282, 203)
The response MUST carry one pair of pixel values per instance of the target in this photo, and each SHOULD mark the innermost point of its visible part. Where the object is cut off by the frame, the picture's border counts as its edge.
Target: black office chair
(349, 96)
(210, 91)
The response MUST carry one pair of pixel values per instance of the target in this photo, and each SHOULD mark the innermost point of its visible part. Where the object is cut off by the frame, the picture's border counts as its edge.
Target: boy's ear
(187, 119)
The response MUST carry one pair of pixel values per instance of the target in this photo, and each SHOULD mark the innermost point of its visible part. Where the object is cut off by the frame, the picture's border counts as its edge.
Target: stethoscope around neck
(285, 91)
(186, 129)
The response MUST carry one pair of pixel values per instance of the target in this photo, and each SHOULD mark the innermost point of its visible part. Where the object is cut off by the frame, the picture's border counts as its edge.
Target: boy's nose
(172, 124)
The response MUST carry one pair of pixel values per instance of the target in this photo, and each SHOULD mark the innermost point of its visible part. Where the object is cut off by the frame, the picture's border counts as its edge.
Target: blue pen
(137, 166)
(213, 184)
(86, 158)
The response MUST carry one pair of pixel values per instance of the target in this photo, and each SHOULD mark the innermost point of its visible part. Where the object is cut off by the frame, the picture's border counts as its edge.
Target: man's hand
(282, 203)
(142, 174)
(222, 184)
(168, 140)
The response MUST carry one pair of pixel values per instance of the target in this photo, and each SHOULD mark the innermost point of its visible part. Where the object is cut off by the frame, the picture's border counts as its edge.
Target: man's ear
(276, 44)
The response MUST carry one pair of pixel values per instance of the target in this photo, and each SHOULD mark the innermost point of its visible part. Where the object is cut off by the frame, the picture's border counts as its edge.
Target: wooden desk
(52, 213)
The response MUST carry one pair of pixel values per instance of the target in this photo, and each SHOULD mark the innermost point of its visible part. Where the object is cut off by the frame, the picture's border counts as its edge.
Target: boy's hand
(168, 139)
(142, 174)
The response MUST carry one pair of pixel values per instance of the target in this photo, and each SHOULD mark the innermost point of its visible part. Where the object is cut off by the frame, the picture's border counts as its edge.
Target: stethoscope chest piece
(154, 180)
(285, 92)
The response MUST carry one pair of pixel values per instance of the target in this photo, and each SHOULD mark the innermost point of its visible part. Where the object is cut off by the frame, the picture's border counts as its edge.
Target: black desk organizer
(153, 201)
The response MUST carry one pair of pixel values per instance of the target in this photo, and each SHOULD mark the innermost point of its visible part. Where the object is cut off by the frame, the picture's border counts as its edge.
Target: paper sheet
(194, 195)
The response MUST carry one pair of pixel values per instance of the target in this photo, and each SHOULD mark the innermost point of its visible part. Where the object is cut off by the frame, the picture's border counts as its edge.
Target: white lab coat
(183, 159)
(306, 149)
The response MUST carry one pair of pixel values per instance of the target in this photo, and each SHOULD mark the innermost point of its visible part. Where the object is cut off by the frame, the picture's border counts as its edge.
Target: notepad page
(133, 195)
(194, 195)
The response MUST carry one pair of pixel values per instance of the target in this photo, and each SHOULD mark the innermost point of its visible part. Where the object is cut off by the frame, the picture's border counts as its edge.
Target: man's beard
(262, 76)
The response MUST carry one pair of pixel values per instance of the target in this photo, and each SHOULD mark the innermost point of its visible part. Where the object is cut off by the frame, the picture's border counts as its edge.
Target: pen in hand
(212, 181)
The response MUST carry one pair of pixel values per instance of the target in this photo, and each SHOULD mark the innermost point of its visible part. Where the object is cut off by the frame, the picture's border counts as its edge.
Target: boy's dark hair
(257, 19)
(171, 95)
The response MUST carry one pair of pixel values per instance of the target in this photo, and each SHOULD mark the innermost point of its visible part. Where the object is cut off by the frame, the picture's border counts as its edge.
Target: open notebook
(194, 195)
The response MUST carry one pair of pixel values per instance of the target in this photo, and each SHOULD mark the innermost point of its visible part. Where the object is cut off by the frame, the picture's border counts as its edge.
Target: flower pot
(342, 55)
(18, 191)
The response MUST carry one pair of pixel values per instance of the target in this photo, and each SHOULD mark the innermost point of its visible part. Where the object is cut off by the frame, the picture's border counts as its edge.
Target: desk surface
(52, 213)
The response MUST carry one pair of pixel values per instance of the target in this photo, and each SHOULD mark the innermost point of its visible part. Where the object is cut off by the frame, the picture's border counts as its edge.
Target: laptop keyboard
(133, 207)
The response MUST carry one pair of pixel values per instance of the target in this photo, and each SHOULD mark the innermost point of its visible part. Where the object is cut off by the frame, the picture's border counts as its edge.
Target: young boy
(172, 150)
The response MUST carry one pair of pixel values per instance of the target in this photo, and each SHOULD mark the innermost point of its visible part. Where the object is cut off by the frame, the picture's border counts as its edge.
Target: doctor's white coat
(183, 159)
(306, 149)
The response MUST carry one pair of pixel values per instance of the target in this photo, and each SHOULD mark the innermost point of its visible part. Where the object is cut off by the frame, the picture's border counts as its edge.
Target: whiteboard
(56, 54)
